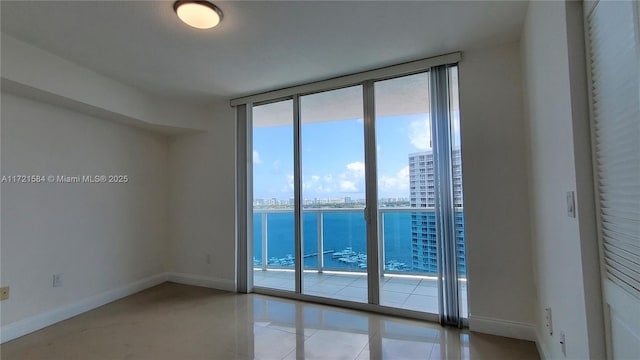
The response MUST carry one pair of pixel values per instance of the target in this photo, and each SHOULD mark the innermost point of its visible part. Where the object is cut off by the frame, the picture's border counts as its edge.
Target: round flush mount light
(198, 14)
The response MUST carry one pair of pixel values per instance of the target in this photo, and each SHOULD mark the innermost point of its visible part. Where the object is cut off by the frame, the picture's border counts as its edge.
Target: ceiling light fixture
(198, 14)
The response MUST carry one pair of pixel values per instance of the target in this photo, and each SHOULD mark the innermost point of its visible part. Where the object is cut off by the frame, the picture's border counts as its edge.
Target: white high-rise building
(422, 178)
(423, 224)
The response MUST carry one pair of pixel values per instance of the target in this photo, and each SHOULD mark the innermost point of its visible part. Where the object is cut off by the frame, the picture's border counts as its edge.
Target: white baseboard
(36, 322)
(203, 281)
(504, 328)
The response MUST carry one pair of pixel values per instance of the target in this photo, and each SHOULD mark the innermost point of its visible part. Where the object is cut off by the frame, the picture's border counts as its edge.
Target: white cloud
(349, 180)
(420, 134)
(310, 183)
(356, 167)
(395, 185)
(352, 180)
(256, 157)
(289, 182)
(348, 186)
(404, 173)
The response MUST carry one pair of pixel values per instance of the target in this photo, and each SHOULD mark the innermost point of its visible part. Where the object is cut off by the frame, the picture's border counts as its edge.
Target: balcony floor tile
(419, 294)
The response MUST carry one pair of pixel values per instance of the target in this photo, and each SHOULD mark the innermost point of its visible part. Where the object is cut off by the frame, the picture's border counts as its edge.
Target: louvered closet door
(612, 32)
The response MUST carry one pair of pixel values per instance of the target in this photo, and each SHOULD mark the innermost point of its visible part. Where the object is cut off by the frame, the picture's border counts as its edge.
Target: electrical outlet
(208, 259)
(563, 343)
(548, 320)
(57, 280)
(4, 293)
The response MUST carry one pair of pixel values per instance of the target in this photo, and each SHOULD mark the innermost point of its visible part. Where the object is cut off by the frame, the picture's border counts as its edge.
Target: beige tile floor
(172, 321)
(412, 293)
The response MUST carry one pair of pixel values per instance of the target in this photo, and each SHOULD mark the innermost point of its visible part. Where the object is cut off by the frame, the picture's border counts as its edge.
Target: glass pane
(406, 194)
(333, 193)
(273, 218)
(458, 199)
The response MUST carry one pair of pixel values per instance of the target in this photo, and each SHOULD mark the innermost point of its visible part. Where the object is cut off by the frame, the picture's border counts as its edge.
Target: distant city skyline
(323, 201)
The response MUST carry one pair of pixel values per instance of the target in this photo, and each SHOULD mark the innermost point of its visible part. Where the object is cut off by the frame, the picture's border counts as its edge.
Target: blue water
(340, 230)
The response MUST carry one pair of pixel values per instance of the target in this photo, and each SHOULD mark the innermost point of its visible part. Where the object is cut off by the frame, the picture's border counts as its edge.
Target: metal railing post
(264, 241)
(381, 242)
(320, 242)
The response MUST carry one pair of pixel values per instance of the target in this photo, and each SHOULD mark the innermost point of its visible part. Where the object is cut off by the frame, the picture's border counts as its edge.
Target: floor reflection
(311, 331)
(172, 321)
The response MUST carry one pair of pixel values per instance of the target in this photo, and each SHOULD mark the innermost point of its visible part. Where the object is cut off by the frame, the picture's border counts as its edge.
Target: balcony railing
(416, 239)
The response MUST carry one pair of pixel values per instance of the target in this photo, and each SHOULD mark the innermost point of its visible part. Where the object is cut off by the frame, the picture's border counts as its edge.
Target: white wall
(565, 249)
(198, 216)
(496, 203)
(35, 71)
(98, 236)
(203, 201)
(501, 291)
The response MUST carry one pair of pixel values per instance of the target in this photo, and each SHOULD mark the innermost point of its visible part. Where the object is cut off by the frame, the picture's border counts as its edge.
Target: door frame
(244, 193)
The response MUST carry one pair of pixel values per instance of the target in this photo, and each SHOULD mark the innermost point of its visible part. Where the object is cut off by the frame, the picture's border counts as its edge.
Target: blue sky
(333, 157)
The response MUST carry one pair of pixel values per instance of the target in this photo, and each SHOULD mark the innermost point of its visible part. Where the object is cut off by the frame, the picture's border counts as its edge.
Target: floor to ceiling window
(406, 195)
(273, 216)
(357, 191)
(408, 190)
(333, 194)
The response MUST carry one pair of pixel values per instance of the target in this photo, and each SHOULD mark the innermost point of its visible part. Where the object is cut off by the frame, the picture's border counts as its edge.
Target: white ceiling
(259, 46)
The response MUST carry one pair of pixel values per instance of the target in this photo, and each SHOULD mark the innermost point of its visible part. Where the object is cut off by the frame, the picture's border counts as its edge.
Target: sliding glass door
(406, 194)
(419, 191)
(333, 194)
(357, 195)
(273, 210)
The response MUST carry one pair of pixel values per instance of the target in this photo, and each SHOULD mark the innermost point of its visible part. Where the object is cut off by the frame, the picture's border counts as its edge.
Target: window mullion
(371, 209)
(297, 190)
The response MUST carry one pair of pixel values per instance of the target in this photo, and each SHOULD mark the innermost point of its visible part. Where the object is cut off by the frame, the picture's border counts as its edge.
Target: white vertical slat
(615, 91)
(614, 63)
